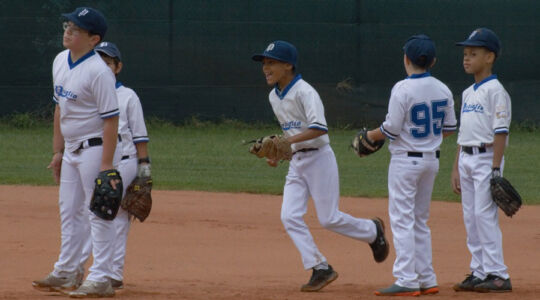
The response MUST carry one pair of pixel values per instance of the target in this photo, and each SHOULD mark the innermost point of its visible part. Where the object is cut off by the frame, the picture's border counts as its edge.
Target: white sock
(321, 266)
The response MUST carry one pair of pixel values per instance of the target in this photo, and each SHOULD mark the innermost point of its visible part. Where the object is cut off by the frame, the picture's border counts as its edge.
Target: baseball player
(482, 138)
(135, 160)
(420, 114)
(84, 143)
(313, 169)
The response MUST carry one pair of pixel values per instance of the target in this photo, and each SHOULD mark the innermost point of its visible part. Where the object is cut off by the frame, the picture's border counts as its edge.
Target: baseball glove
(138, 199)
(363, 146)
(504, 194)
(275, 147)
(106, 199)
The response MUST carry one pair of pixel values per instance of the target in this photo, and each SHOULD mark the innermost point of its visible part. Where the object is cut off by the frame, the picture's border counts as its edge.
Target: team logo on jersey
(83, 12)
(500, 112)
(61, 92)
(473, 108)
(270, 47)
(291, 125)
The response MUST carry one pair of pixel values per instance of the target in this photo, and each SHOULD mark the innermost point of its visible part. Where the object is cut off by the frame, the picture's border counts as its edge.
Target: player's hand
(55, 165)
(456, 186)
(113, 182)
(271, 162)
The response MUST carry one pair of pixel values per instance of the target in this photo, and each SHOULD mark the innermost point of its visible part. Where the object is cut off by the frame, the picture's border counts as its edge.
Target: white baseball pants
(481, 215)
(128, 171)
(315, 173)
(78, 224)
(410, 184)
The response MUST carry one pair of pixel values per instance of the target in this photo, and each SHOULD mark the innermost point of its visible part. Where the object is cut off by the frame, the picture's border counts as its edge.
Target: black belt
(469, 150)
(420, 154)
(92, 142)
(96, 142)
(306, 150)
(125, 157)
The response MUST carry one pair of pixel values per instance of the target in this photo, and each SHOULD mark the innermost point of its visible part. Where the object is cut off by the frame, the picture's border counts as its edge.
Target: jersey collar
(281, 94)
(415, 76)
(80, 60)
(118, 84)
(490, 77)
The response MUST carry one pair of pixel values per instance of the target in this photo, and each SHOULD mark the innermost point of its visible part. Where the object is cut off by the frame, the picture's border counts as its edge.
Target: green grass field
(212, 157)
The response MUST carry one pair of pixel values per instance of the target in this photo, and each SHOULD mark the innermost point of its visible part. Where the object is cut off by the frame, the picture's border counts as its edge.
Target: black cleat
(468, 284)
(380, 245)
(494, 284)
(320, 279)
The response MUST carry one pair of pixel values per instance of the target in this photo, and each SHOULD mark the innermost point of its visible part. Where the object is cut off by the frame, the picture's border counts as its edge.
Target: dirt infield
(199, 245)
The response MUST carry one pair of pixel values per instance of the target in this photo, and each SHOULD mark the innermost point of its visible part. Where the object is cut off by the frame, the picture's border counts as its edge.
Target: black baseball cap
(483, 37)
(110, 49)
(89, 19)
(280, 50)
(417, 46)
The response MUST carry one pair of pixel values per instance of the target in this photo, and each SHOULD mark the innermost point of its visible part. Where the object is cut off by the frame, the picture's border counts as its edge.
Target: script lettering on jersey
(291, 124)
(473, 108)
(61, 92)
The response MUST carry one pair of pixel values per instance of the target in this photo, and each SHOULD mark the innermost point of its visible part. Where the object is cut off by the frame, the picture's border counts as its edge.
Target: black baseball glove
(363, 146)
(106, 200)
(504, 194)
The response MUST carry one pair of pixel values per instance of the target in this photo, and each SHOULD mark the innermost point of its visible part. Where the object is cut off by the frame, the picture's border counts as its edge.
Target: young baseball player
(482, 138)
(420, 114)
(313, 169)
(84, 143)
(135, 160)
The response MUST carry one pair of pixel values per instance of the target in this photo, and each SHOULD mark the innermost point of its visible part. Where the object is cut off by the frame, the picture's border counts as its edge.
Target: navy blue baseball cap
(280, 50)
(89, 19)
(109, 48)
(418, 46)
(483, 37)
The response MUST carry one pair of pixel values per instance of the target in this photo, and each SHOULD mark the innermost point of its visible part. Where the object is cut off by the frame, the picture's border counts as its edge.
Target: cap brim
(260, 57)
(471, 43)
(73, 19)
(109, 53)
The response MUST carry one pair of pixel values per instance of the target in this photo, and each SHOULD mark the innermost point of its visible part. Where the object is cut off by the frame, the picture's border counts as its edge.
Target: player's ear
(119, 67)
(432, 63)
(406, 60)
(289, 66)
(490, 57)
(94, 39)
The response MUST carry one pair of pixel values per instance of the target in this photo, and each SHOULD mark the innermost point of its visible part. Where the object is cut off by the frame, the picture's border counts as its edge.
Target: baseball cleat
(93, 289)
(396, 290)
(429, 290)
(468, 284)
(52, 283)
(380, 245)
(494, 284)
(117, 284)
(320, 279)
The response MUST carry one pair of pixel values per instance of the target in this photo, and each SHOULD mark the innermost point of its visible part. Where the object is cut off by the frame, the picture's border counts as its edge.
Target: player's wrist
(144, 160)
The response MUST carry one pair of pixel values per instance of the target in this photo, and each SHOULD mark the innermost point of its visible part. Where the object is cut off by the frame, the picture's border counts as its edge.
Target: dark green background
(192, 58)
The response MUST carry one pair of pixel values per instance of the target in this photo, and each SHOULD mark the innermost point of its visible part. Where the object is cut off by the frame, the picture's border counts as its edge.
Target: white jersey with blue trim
(131, 126)
(421, 107)
(485, 111)
(85, 92)
(297, 108)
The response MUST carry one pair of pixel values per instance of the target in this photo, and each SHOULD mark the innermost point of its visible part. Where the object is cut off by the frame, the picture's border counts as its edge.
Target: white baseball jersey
(131, 126)
(485, 111)
(85, 92)
(421, 107)
(297, 108)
